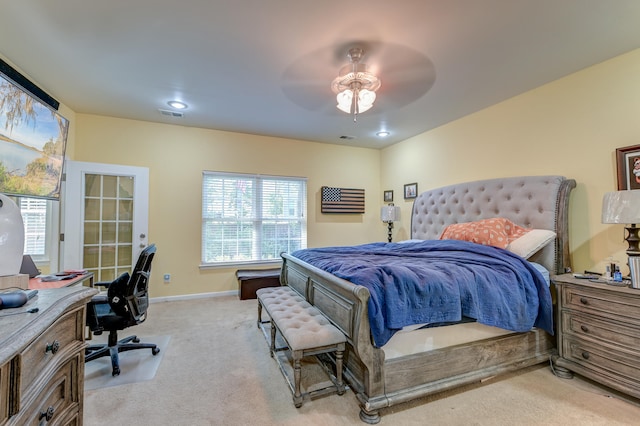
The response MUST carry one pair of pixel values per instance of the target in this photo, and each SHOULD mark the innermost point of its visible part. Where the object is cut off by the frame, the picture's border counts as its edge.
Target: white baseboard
(193, 296)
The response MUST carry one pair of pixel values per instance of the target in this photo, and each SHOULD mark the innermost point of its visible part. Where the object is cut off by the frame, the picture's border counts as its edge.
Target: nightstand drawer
(65, 336)
(601, 301)
(590, 327)
(606, 361)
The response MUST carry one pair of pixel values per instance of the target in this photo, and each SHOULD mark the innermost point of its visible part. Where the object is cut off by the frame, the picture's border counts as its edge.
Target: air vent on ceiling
(171, 113)
(348, 138)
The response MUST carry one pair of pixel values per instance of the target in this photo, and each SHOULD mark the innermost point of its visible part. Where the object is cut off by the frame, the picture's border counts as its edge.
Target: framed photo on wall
(410, 190)
(388, 196)
(628, 165)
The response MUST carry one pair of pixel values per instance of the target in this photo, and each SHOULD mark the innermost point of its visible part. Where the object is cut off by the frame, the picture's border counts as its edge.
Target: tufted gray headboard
(540, 202)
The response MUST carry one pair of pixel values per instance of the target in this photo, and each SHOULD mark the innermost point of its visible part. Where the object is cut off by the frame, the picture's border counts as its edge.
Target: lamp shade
(390, 213)
(621, 207)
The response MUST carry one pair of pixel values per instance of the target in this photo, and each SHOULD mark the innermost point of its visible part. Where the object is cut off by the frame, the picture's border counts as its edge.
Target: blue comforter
(440, 281)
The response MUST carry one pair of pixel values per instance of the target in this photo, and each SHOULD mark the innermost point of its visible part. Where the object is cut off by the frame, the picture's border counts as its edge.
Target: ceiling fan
(404, 75)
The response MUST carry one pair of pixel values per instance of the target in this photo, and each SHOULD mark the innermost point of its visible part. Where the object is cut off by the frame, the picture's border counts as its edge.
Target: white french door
(105, 210)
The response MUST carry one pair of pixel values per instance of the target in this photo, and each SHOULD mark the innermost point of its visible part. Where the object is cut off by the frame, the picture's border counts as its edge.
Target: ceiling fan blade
(406, 75)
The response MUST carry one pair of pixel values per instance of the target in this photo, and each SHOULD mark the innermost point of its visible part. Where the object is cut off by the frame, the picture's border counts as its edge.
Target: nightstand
(598, 330)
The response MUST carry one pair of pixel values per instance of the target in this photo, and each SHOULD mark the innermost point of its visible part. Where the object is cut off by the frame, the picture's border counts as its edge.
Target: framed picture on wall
(628, 165)
(410, 190)
(388, 196)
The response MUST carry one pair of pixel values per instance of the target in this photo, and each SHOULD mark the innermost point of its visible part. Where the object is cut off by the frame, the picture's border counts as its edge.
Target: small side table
(598, 328)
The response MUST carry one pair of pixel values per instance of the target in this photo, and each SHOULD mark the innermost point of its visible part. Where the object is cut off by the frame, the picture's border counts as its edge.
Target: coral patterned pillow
(497, 232)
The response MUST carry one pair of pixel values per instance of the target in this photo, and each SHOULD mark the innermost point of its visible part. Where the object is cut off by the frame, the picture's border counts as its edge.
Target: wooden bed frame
(531, 201)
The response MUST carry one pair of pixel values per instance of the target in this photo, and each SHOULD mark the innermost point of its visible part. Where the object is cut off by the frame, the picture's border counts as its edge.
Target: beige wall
(176, 157)
(569, 127)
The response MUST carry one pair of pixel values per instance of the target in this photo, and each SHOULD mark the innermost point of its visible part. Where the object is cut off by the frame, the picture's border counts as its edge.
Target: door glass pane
(108, 257)
(110, 186)
(92, 186)
(91, 232)
(108, 232)
(108, 209)
(125, 209)
(125, 232)
(91, 209)
(124, 257)
(108, 225)
(126, 187)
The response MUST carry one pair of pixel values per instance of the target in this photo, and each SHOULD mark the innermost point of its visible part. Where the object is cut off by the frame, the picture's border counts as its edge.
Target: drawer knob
(47, 415)
(53, 348)
(584, 301)
(584, 328)
(585, 355)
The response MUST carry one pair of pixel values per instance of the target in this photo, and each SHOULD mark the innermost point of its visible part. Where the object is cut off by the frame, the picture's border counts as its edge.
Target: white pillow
(531, 242)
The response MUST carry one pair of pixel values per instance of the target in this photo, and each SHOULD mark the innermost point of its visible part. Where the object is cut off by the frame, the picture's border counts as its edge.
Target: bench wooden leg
(297, 395)
(259, 313)
(340, 383)
(273, 338)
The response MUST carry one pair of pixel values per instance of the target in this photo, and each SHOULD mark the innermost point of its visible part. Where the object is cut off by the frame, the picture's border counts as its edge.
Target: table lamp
(624, 207)
(390, 214)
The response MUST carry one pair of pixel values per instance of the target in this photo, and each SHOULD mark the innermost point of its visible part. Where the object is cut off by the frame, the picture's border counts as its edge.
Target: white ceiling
(265, 66)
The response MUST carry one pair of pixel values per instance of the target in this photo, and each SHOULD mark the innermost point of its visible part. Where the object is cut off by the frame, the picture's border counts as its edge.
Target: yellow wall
(176, 157)
(569, 127)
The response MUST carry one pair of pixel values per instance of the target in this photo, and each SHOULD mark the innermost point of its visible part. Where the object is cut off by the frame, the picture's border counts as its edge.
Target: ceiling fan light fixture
(355, 86)
(345, 100)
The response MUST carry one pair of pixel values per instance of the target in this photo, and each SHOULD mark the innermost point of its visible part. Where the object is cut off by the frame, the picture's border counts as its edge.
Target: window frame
(257, 218)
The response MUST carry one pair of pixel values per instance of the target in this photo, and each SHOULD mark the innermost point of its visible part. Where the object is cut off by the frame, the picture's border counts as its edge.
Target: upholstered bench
(305, 330)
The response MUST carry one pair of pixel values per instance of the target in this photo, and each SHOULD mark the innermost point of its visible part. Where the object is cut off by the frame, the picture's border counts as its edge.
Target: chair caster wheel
(116, 371)
(155, 351)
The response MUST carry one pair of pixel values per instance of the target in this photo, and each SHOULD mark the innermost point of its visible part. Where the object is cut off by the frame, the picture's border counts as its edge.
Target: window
(251, 218)
(37, 219)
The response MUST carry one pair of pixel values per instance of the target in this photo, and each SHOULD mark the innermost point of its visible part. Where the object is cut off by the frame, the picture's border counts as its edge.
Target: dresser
(42, 358)
(598, 328)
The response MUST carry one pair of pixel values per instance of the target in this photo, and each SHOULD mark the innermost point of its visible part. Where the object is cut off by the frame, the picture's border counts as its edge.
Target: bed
(409, 365)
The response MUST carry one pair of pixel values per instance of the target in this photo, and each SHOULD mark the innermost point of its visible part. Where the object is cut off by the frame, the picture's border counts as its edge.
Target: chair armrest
(102, 284)
(99, 299)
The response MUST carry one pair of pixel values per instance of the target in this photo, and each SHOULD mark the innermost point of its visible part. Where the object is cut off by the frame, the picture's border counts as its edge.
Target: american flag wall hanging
(342, 200)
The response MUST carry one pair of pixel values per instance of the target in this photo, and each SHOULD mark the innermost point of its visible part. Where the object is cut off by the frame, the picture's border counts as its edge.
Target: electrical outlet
(167, 278)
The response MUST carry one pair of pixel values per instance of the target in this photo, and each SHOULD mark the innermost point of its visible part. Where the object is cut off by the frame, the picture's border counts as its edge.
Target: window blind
(34, 216)
(252, 218)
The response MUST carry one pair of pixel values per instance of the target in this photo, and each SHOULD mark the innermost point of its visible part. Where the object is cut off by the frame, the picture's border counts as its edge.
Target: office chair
(124, 305)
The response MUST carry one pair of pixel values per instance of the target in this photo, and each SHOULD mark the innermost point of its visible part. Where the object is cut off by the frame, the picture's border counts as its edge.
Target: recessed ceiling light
(177, 104)
(383, 134)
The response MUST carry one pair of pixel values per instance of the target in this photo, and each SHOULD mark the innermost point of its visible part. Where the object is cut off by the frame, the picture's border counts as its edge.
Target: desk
(84, 279)
(42, 359)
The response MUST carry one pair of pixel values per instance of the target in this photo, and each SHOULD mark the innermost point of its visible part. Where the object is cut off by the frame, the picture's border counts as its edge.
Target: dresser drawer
(58, 402)
(602, 302)
(65, 336)
(591, 327)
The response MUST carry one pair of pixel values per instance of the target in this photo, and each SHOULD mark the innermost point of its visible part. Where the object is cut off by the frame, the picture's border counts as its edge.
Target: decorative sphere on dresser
(11, 237)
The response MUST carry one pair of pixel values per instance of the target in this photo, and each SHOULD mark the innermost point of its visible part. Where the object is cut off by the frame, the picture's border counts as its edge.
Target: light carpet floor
(217, 371)
(135, 366)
